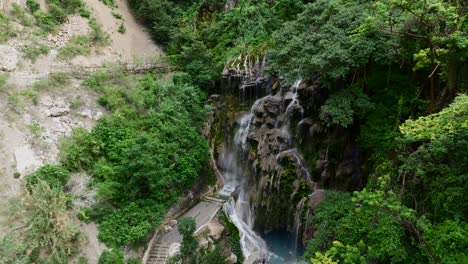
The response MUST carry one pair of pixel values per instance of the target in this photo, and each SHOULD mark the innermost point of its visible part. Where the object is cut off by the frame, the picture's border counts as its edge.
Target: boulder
(166, 228)
(27, 160)
(173, 250)
(8, 58)
(232, 259)
(173, 222)
(203, 242)
(215, 230)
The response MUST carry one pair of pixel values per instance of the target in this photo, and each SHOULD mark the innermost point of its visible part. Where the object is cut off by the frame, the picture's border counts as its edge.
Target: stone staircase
(158, 254)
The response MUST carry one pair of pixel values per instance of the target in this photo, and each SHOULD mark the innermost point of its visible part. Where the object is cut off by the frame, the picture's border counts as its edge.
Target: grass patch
(33, 5)
(3, 82)
(76, 103)
(117, 15)
(7, 31)
(23, 17)
(36, 130)
(84, 12)
(33, 52)
(122, 28)
(78, 45)
(83, 45)
(110, 3)
(31, 95)
(55, 80)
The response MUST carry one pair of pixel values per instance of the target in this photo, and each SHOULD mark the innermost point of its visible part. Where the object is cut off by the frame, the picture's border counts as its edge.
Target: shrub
(110, 3)
(45, 20)
(16, 175)
(122, 29)
(130, 224)
(84, 12)
(98, 36)
(75, 150)
(117, 15)
(55, 80)
(22, 16)
(113, 256)
(133, 260)
(33, 52)
(7, 31)
(54, 175)
(32, 5)
(78, 45)
(48, 227)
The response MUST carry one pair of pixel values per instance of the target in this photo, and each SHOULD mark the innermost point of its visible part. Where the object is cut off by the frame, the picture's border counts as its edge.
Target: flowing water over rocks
(262, 145)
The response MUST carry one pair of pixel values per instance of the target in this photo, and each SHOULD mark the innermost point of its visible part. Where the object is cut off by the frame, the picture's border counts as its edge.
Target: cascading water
(266, 116)
(295, 100)
(239, 210)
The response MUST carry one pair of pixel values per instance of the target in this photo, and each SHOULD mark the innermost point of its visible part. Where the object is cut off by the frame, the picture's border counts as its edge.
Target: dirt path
(135, 42)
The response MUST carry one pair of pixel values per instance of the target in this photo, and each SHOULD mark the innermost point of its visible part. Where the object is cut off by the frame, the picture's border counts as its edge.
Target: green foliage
(117, 15)
(335, 47)
(122, 28)
(448, 241)
(98, 36)
(110, 3)
(210, 257)
(203, 36)
(24, 18)
(341, 107)
(48, 225)
(130, 224)
(55, 81)
(84, 12)
(7, 30)
(187, 227)
(113, 256)
(233, 238)
(83, 45)
(76, 150)
(77, 45)
(134, 260)
(361, 228)
(33, 52)
(448, 122)
(11, 251)
(58, 10)
(142, 156)
(33, 5)
(45, 20)
(54, 175)
(435, 171)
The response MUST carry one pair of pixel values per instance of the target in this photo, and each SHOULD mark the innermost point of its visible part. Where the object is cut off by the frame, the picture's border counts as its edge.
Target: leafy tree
(433, 173)
(113, 256)
(437, 26)
(187, 227)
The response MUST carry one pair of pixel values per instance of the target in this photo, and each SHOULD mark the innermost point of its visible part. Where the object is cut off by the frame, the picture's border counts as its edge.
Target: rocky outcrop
(8, 58)
(289, 155)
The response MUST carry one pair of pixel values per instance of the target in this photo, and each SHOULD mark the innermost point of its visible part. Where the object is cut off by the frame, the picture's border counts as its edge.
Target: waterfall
(298, 220)
(239, 211)
(295, 100)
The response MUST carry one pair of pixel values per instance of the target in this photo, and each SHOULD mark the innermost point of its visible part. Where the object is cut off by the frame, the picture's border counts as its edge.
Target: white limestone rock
(8, 58)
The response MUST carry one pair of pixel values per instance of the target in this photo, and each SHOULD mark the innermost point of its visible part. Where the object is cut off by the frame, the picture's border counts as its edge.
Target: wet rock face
(290, 155)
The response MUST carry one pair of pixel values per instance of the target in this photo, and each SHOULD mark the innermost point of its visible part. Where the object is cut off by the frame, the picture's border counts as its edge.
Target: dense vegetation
(385, 63)
(396, 75)
(142, 157)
